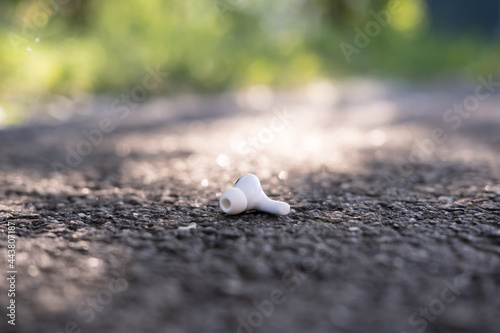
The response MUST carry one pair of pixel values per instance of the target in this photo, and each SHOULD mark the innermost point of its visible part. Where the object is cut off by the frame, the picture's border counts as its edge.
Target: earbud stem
(273, 207)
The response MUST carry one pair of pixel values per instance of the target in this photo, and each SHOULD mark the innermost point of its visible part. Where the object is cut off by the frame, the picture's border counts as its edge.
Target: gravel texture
(391, 230)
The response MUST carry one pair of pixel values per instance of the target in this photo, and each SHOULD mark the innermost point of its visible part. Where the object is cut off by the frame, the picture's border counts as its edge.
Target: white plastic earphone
(247, 194)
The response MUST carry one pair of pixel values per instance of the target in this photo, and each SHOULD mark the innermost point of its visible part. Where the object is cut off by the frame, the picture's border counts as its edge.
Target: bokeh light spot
(223, 160)
(377, 137)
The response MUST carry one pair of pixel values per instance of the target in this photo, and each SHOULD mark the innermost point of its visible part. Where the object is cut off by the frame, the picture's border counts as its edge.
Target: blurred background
(69, 51)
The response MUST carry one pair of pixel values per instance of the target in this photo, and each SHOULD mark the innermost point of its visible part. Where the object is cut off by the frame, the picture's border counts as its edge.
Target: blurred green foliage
(66, 47)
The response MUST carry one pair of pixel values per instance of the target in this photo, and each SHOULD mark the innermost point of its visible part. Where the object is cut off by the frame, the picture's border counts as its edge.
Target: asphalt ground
(394, 227)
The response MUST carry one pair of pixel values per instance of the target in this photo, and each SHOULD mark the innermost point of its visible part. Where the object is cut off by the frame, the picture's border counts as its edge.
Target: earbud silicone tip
(233, 201)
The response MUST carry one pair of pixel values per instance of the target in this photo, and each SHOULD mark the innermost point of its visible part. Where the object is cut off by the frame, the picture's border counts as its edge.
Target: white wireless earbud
(247, 194)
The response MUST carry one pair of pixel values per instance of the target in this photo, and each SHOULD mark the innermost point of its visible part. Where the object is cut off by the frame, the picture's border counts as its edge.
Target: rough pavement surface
(395, 221)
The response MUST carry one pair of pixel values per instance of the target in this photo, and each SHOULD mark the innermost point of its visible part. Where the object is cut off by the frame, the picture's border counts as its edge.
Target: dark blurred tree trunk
(465, 15)
(348, 12)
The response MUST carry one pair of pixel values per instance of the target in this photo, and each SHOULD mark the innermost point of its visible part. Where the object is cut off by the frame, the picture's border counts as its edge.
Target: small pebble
(189, 227)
